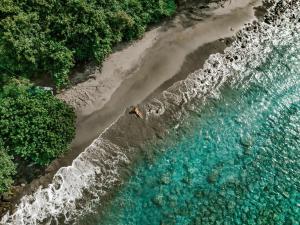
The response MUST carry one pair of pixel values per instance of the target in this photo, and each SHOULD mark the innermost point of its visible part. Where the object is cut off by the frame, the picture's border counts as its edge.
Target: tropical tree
(34, 125)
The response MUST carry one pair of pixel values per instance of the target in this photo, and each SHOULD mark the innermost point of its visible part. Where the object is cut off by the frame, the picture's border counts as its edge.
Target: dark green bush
(7, 170)
(34, 125)
(46, 37)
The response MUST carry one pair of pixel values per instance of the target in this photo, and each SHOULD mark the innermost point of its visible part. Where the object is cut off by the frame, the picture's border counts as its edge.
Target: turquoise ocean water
(237, 162)
(231, 154)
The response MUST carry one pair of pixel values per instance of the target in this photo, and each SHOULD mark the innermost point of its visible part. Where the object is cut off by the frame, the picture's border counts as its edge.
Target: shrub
(7, 170)
(47, 37)
(34, 125)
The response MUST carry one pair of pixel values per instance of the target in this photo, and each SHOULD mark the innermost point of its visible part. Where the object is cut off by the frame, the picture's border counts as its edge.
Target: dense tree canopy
(34, 125)
(46, 37)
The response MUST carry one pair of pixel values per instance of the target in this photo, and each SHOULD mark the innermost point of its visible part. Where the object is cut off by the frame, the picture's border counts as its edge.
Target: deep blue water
(236, 163)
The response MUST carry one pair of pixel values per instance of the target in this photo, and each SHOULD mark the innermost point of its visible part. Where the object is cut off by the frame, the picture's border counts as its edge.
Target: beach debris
(92, 76)
(135, 110)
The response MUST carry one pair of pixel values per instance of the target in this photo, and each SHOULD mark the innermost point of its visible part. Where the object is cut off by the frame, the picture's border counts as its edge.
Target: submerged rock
(246, 141)
(158, 200)
(165, 180)
(199, 194)
(247, 151)
(186, 180)
(213, 177)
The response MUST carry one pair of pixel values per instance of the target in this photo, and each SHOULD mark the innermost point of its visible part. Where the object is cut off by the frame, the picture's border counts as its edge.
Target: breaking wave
(101, 167)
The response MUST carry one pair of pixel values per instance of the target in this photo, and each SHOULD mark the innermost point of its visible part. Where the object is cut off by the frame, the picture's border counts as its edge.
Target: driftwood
(135, 110)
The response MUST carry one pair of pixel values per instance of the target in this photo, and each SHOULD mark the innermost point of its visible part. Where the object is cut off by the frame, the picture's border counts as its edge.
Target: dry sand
(163, 56)
(142, 70)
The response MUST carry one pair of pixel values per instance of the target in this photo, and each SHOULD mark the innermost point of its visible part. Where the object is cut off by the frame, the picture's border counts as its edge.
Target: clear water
(233, 160)
(236, 163)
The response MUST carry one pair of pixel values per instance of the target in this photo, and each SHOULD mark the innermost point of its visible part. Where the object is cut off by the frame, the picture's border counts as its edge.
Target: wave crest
(98, 169)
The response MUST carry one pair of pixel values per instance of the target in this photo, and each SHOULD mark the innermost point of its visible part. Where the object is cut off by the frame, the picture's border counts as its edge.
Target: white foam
(239, 60)
(92, 172)
(96, 170)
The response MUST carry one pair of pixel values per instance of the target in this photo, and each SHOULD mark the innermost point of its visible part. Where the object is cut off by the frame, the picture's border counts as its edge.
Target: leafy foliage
(46, 37)
(34, 125)
(7, 170)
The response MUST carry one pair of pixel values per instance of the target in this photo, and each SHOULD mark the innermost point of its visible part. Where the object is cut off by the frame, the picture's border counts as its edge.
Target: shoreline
(145, 68)
(128, 80)
(98, 172)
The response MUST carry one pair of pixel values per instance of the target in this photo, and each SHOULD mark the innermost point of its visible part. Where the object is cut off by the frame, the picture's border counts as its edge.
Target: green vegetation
(47, 37)
(35, 127)
(7, 170)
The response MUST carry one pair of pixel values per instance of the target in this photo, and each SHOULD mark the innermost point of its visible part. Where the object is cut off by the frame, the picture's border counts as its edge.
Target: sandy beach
(198, 132)
(150, 65)
(143, 69)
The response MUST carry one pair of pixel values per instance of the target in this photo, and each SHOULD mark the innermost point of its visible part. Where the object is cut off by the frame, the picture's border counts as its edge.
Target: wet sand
(165, 55)
(144, 69)
(130, 134)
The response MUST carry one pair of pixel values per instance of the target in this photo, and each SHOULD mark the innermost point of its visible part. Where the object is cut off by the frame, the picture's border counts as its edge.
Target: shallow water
(231, 156)
(237, 162)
